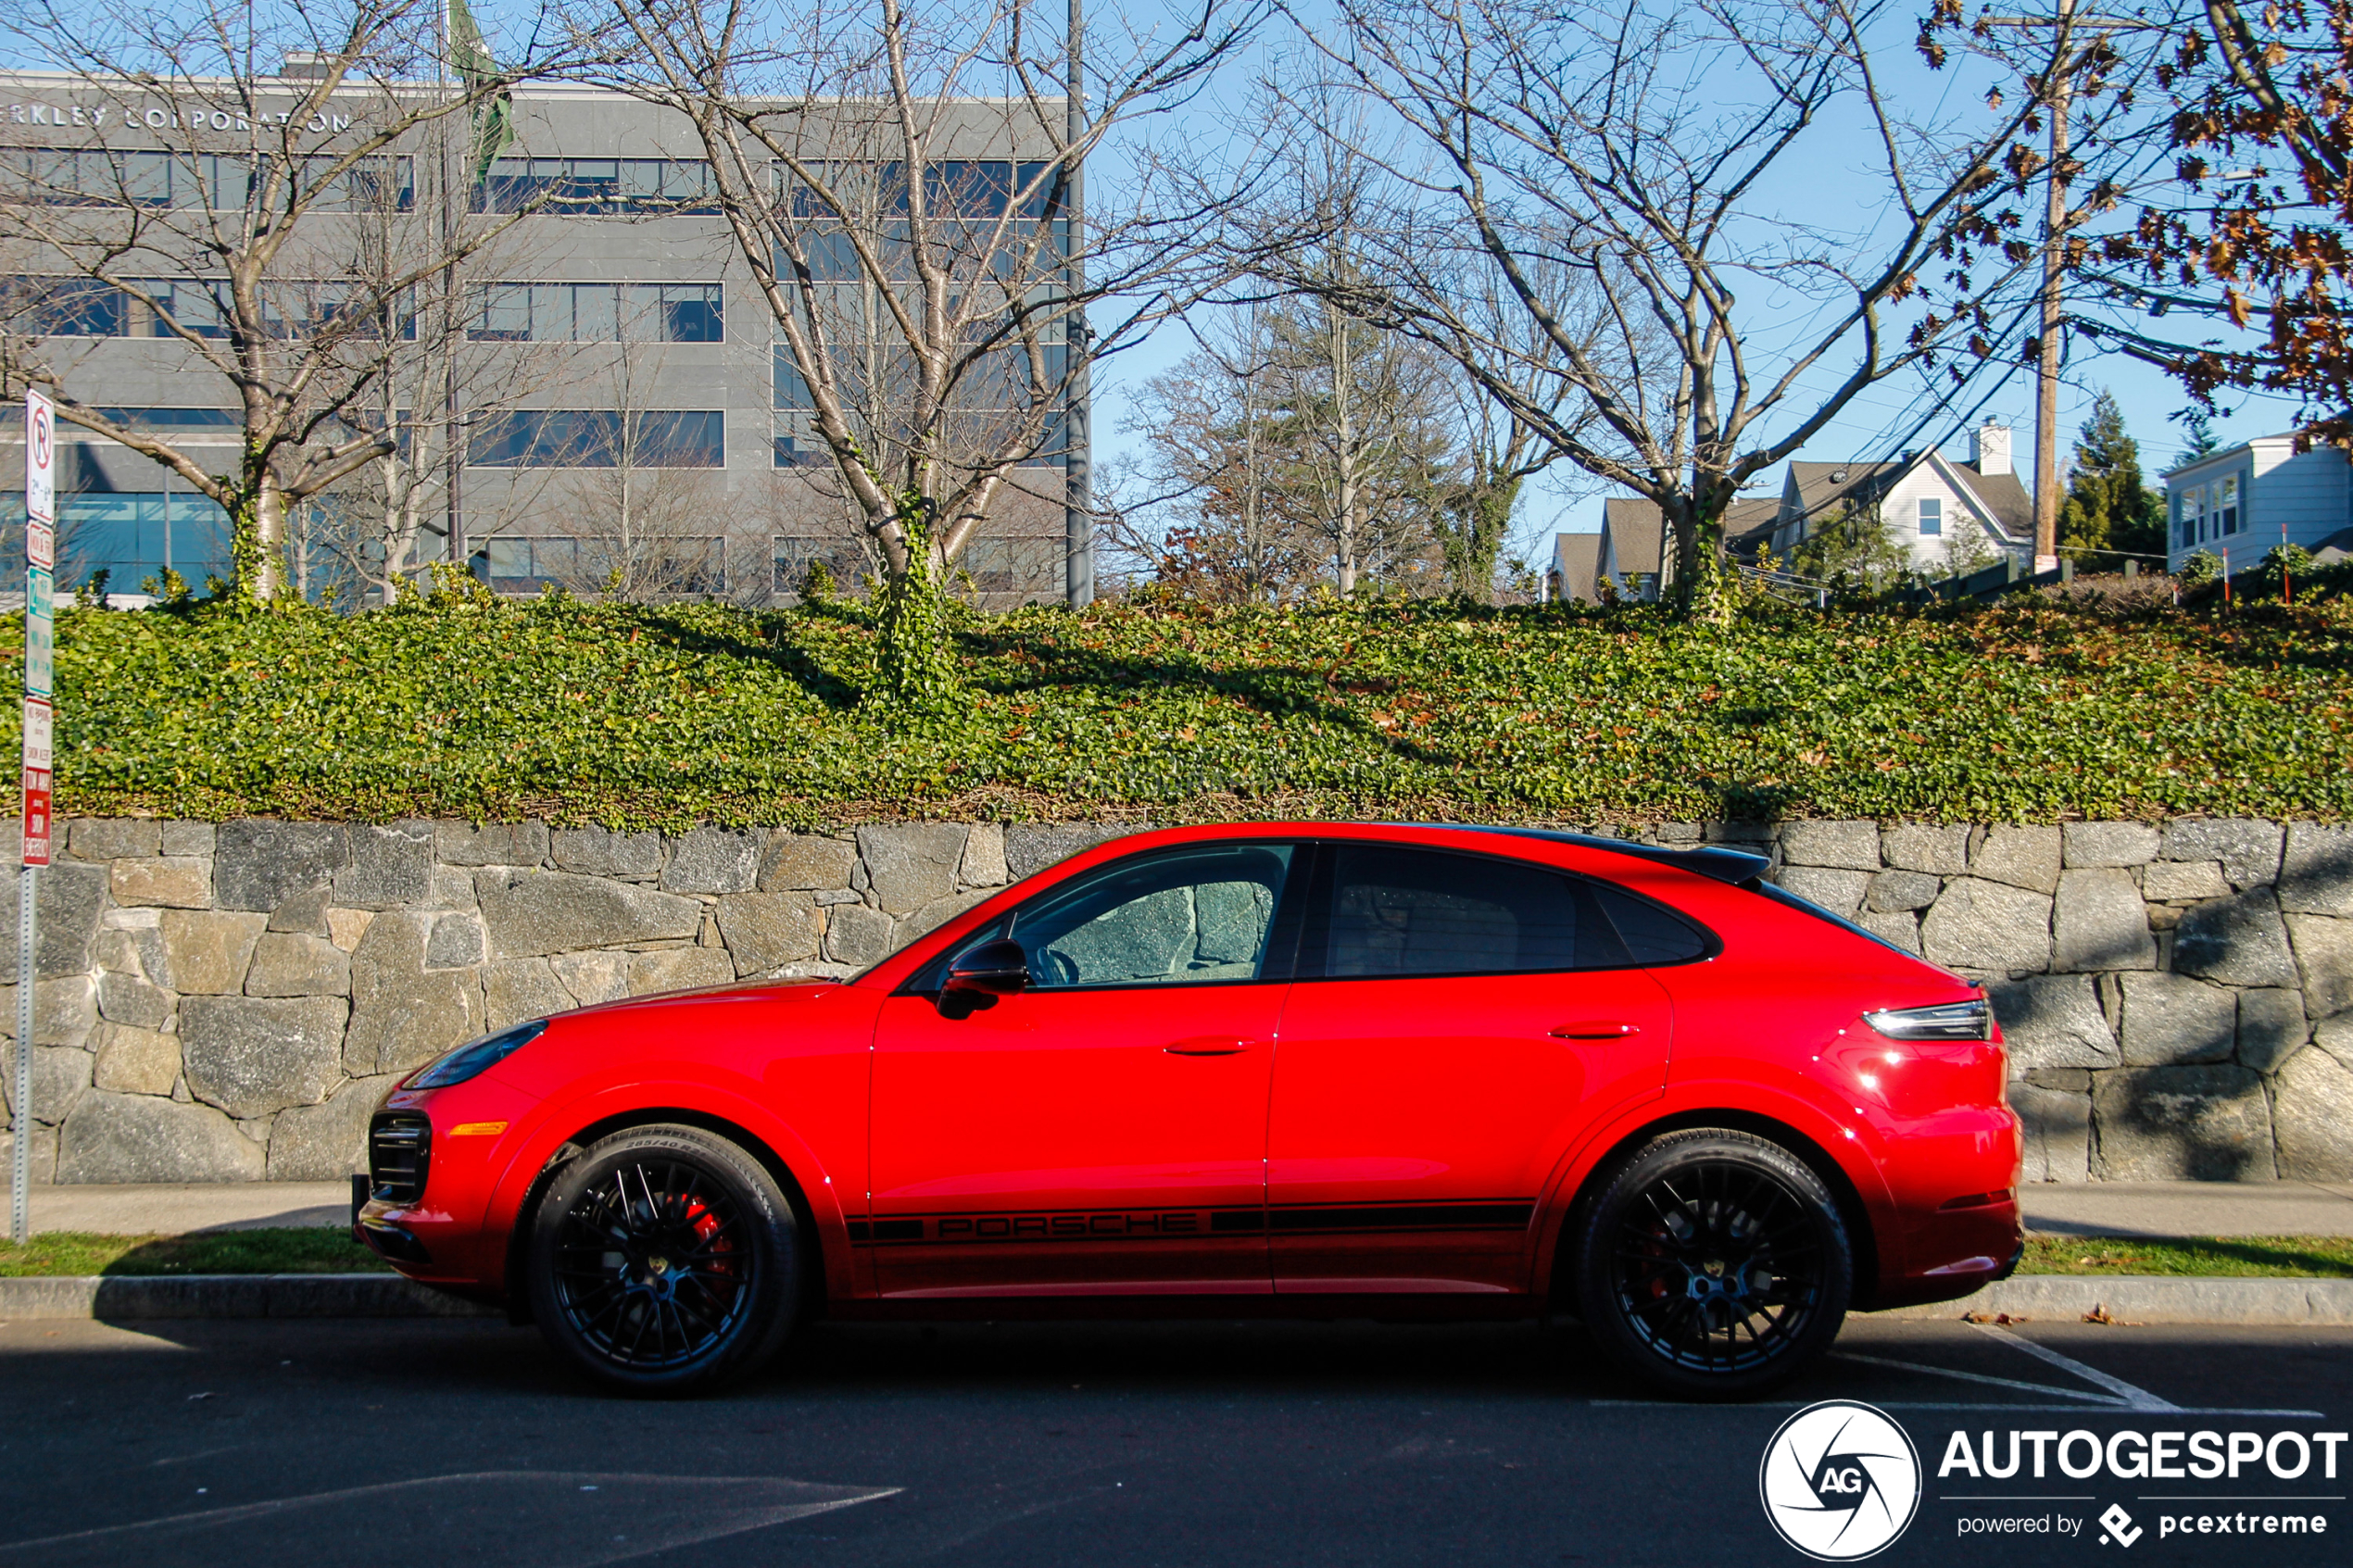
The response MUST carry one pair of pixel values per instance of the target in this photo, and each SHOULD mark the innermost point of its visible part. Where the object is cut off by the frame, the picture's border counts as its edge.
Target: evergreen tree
(2107, 506)
(2201, 441)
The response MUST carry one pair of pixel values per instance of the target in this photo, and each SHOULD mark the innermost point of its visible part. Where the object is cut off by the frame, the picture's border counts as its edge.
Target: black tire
(1714, 1264)
(664, 1260)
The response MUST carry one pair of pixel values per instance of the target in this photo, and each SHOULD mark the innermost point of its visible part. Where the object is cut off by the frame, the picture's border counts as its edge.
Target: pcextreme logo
(1840, 1481)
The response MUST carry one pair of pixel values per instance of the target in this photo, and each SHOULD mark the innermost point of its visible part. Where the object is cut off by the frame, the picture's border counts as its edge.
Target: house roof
(1635, 533)
(1576, 556)
(1821, 487)
(1748, 525)
(2000, 495)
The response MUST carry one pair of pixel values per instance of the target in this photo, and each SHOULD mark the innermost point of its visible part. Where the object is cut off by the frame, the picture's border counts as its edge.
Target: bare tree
(281, 230)
(903, 186)
(1646, 154)
(647, 507)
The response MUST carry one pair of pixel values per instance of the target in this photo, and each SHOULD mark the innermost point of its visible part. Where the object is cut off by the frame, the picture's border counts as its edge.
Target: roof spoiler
(1737, 867)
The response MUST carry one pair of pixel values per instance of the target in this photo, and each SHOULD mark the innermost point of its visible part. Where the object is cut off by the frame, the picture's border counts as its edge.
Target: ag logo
(1840, 1481)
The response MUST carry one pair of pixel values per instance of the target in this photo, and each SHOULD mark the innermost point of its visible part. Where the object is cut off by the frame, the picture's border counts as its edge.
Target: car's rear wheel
(663, 1259)
(1714, 1264)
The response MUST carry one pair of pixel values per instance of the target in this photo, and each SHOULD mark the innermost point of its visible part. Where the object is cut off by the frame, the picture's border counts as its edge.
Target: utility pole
(1078, 522)
(2046, 370)
(453, 449)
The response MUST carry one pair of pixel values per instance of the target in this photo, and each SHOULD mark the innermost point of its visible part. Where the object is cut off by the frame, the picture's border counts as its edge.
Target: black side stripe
(1406, 1217)
(1509, 1214)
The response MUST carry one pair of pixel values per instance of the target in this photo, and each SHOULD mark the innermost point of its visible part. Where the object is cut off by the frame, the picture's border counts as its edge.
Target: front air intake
(399, 1150)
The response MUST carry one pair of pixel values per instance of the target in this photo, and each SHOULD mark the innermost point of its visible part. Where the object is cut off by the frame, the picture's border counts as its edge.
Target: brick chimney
(1988, 449)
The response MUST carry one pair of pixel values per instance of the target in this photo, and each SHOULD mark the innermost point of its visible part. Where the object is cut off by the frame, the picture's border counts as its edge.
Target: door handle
(1594, 1031)
(1209, 1045)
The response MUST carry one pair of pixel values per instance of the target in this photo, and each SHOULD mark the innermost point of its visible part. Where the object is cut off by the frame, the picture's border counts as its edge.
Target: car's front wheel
(1714, 1264)
(664, 1259)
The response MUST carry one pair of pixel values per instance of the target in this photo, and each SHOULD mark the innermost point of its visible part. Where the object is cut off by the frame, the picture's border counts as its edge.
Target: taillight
(1946, 1021)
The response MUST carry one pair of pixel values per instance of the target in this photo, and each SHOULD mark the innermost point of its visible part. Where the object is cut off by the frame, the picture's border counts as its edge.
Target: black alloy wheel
(1714, 1264)
(664, 1259)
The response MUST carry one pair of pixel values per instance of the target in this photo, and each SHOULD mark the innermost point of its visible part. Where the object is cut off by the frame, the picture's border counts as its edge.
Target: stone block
(2111, 844)
(126, 998)
(2182, 1124)
(117, 952)
(2271, 1028)
(253, 1055)
(2058, 1126)
(346, 927)
(2248, 848)
(2314, 1118)
(113, 839)
(601, 852)
(520, 990)
(208, 950)
(453, 888)
(41, 1159)
(806, 862)
(385, 867)
(2325, 961)
(1746, 833)
(911, 864)
(255, 865)
(113, 1137)
(856, 935)
(303, 913)
(329, 1142)
(496, 843)
(984, 863)
(679, 969)
(135, 1061)
(402, 1013)
(1852, 846)
(2171, 1018)
(592, 977)
(1988, 926)
(189, 838)
(177, 882)
(286, 964)
(2018, 857)
(72, 899)
(934, 915)
(1899, 926)
(61, 1079)
(2052, 1020)
(2316, 876)
(1030, 847)
(765, 931)
(457, 941)
(1892, 891)
(65, 1011)
(1841, 892)
(2170, 882)
(2099, 922)
(714, 860)
(1935, 850)
(2239, 941)
(531, 914)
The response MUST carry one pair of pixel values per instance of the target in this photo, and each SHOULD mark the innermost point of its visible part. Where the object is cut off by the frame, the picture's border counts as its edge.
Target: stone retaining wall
(226, 1002)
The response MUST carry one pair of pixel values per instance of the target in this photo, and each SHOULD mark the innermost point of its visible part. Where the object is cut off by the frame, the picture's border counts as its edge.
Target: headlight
(1947, 1020)
(477, 1057)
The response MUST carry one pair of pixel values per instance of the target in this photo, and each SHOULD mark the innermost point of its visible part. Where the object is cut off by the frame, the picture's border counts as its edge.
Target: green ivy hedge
(662, 716)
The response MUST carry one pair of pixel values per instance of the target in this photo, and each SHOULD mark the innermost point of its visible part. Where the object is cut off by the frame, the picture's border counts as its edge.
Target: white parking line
(2137, 1399)
(1977, 1377)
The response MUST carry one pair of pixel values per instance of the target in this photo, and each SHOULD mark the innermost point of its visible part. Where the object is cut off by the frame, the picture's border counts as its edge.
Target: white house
(1949, 516)
(2245, 501)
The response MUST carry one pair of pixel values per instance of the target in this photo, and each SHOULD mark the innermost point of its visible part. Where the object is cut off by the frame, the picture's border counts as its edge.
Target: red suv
(1315, 1068)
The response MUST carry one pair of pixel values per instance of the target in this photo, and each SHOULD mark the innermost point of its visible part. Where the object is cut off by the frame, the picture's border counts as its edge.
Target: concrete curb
(2154, 1299)
(136, 1298)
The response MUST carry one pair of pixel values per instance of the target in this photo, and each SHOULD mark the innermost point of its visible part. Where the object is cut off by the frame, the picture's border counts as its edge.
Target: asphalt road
(353, 1444)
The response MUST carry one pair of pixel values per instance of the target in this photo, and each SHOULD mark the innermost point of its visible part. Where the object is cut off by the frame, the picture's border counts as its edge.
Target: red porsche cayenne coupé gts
(1307, 1068)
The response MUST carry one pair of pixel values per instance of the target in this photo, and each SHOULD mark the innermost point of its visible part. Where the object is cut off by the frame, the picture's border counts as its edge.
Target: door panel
(1106, 1130)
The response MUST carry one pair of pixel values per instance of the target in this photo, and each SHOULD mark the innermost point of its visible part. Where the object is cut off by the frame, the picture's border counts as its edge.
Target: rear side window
(1392, 912)
(1653, 933)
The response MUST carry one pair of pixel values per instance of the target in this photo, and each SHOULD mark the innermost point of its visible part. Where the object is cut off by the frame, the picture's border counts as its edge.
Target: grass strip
(2233, 1257)
(309, 1250)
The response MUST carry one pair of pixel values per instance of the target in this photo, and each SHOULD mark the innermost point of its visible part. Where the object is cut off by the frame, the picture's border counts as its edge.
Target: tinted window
(1652, 933)
(1188, 917)
(1395, 911)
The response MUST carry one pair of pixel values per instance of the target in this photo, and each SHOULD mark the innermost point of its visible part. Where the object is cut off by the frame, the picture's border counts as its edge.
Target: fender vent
(399, 1150)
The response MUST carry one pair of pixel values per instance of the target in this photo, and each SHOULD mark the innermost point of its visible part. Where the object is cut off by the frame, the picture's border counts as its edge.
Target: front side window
(1931, 515)
(1190, 917)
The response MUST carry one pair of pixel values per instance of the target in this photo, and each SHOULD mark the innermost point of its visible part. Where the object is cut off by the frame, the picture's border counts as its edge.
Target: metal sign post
(39, 560)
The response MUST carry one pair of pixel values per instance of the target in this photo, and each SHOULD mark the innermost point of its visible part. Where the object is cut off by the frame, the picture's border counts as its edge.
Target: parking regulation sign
(39, 478)
(40, 640)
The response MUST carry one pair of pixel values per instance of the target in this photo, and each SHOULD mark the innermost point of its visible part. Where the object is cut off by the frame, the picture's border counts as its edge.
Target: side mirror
(983, 972)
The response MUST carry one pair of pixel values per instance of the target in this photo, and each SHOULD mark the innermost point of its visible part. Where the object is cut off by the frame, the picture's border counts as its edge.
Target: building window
(691, 565)
(794, 553)
(600, 313)
(601, 438)
(599, 187)
(2226, 507)
(175, 418)
(131, 535)
(220, 183)
(525, 565)
(2193, 530)
(1931, 515)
